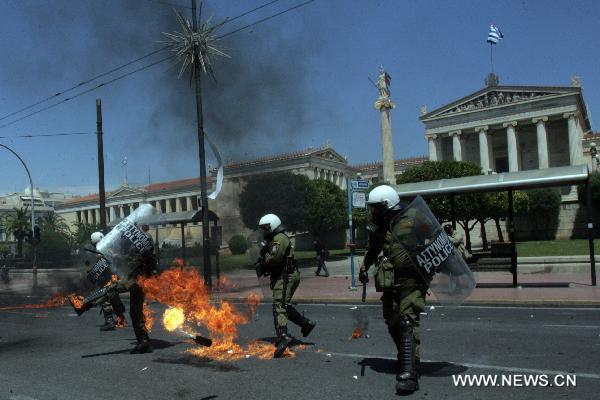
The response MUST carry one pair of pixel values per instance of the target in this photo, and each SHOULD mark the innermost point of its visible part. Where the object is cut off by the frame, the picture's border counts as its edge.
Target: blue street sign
(360, 184)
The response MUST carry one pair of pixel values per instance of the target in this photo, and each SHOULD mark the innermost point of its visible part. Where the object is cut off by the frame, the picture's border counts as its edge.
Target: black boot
(283, 341)
(407, 380)
(143, 345)
(109, 322)
(306, 324)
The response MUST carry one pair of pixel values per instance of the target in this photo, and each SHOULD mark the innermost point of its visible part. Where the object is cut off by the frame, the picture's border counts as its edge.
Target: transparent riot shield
(127, 239)
(432, 253)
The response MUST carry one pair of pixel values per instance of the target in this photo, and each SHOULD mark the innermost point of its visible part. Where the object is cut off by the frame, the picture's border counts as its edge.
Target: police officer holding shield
(113, 303)
(277, 261)
(403, 287)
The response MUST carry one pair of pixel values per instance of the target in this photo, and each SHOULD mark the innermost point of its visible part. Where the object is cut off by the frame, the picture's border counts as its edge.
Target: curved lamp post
(32, 199)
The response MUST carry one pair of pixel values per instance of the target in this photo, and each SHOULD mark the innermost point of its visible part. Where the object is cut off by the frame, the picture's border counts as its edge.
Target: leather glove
(363, 276)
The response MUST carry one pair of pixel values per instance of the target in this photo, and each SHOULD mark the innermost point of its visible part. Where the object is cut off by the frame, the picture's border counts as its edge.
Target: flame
(173, 318)
(356, 333)
(149, 317)
(183, 290)
(121, 323)
(57, 300)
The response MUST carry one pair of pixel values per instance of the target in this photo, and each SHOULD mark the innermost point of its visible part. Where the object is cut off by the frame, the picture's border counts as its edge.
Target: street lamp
(32, 201)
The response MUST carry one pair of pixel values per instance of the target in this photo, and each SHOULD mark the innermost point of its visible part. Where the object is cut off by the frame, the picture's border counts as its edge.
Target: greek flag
(495, 35)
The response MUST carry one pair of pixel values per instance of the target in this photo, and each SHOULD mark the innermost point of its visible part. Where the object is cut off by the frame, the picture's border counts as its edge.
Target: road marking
(574, 326)
(482, 366)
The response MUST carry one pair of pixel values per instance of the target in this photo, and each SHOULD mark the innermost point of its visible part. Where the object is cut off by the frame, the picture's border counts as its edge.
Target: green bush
(238, 244)
(543, 212)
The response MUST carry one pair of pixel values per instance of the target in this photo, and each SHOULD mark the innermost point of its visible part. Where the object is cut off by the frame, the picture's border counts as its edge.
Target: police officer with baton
(277, 261)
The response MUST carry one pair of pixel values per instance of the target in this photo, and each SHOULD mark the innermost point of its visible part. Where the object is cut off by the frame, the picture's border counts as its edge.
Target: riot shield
(432, 253)
(127, 240)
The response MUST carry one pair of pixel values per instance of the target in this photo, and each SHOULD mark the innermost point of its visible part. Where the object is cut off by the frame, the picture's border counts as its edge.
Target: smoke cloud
(259, 100)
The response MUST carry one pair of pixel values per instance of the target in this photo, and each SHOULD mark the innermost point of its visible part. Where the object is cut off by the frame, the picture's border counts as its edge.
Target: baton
(364, 293)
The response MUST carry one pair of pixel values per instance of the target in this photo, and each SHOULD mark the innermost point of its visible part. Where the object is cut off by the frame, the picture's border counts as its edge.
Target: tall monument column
(384, 105)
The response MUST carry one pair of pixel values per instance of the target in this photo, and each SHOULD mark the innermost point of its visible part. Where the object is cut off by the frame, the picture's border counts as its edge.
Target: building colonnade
(511, 129)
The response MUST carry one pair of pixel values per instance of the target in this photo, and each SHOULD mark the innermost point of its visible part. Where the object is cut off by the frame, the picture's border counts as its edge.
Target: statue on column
(383, 85)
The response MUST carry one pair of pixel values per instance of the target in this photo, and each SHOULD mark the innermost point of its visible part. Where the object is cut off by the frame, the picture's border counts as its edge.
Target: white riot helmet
(96, 237)
(386, 196)
(269, 223)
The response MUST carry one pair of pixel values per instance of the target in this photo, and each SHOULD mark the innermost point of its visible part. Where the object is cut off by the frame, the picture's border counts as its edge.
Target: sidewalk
(576, 290)
(553, 288)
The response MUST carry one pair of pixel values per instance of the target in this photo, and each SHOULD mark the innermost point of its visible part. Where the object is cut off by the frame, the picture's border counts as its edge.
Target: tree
(498, 207)
(56, 223)
(82, 232)
(467, 207)
(19, 224)
(543, 211)
(281, 193)
(327, 208)
(54, 249)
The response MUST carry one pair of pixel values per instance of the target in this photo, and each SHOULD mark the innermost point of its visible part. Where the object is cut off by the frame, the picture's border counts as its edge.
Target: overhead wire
(48, 135)
(136, 70)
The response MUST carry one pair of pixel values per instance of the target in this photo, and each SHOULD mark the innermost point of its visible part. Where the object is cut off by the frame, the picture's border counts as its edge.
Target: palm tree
(82, 233)
(20, 225)
(55, 223)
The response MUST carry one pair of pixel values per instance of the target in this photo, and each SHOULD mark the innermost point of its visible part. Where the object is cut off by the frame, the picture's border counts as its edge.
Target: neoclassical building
(182, 195)
(511, 128)
(515, 128)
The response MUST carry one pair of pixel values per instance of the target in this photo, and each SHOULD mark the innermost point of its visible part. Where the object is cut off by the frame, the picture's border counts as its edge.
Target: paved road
(53, 354)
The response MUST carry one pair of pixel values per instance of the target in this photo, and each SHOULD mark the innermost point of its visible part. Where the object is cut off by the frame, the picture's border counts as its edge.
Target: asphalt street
(53, 354)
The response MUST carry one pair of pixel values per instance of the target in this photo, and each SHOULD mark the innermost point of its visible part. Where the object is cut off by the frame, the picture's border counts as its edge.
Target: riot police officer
(113, 303)
(277, 260)
(404, 295)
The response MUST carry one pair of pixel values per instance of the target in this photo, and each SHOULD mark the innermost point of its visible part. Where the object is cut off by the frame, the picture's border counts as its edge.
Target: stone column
(484, 148)
(456, 145)
(178, 201)
(512, 144)
(188, 203)
(542, 142)
(575, 154)
(433, 153)
(388, 147)
(121, 211)
(97, 213)
(168, 207)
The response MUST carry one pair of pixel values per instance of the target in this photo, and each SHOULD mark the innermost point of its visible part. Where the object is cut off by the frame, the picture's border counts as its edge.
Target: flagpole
(492, 57)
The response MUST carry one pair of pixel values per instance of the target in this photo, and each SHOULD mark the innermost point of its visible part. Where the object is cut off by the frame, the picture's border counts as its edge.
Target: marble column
(113, 213)
(178, 201)
(456, 145)
(575, 152)
(188, 203)
(484, 148)
(512, 145)
(433, 153)
(168, 207)
(542, 141)
(97, 213)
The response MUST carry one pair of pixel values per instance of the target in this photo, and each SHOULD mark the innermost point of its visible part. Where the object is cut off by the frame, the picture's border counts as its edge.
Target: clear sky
(295, 81)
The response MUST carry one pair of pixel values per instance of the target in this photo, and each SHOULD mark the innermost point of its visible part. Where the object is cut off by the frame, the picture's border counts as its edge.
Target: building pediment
(498, 96)
(330, 155)
(125, 191)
